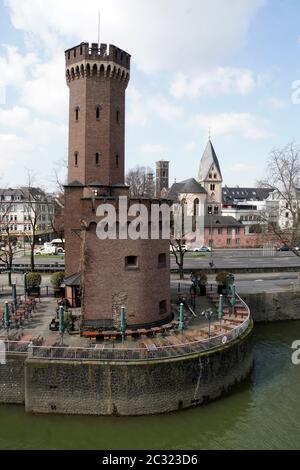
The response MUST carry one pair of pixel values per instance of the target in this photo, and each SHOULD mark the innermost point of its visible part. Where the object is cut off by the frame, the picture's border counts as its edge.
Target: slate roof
(209, 157)
(189, 186)
(73, 280)
(221, 221)
(241, 194)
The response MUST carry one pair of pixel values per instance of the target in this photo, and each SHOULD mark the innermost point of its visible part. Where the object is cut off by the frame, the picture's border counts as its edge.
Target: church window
(215, 176)
(209, 209)
(196, 207)
(212, 187)
(210, 175)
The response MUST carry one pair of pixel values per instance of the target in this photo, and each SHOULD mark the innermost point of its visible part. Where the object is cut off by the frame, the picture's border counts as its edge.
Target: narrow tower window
(117, 161)
(97, 112)
(118, 117)
(77, 114)
(76, 158)
(97, 158)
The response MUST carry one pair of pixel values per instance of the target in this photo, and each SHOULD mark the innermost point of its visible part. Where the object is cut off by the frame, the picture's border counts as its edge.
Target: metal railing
(102, 353)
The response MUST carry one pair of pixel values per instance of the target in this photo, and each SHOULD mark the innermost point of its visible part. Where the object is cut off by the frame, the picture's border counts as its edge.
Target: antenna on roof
(99, 29)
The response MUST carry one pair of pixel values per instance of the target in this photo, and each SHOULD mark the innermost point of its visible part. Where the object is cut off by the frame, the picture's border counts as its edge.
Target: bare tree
(35, 202)
(9, 242)
(179, 249)
(282, 214)
(141, 182)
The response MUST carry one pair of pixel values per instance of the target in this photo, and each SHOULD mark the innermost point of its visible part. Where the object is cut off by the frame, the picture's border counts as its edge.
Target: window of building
(220, 231)
(210, 175)
(241, 218)
(216, 210)
(196, 206)
(237, 230)
(76, 158)
(131, 262)
(162, 260)
(117, 161)
(163, 307)
(69, 55)
(97, 158)
(209, 209)
(287, 215)
(118, 117)
(228, 241)
(212, 187)
(229, 230)
(97, 112)
(215, 176)
(238, 241)
(77, 114)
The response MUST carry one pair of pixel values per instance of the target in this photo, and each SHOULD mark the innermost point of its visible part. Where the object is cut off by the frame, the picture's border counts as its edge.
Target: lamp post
(181, 318)
(233, 297)
(208, 315)
(220, 309)
(25, 284)
(14, 295)
(6, 318)
(123, 322)
(211, 263)
(62, 323)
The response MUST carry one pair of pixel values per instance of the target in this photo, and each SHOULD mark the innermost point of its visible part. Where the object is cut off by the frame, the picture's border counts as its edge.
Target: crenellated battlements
(93, 52)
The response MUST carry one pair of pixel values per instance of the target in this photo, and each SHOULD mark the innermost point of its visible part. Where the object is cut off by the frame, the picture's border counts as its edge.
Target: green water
(264, 413)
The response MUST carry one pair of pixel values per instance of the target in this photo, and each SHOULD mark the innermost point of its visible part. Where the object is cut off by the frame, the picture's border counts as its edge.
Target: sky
(230, 68)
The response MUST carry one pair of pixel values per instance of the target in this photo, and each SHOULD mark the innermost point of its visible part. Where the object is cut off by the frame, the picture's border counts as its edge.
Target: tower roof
(190, 186)
(209, 157)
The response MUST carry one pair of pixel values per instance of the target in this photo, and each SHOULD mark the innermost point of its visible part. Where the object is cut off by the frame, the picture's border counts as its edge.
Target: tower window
(163, 307)
(76, 158)
(162, 260)
(212, 187)
(97, 158)
(98, 112)
(74, 52)
(69, 55)
(131, 262)
(118, 117)
(77, 114)
(117, 161)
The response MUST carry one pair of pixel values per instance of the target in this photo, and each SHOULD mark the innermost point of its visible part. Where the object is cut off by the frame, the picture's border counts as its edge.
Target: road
(230, 259)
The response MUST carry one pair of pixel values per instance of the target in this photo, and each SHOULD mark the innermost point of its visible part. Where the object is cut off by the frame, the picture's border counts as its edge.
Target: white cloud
(246, 125)
(159, 35)
(140, 108)
(214, 81)
(189, 147)
(16, 117)
(241, 168)
(14, 66)
(276, 103)
(152, 149)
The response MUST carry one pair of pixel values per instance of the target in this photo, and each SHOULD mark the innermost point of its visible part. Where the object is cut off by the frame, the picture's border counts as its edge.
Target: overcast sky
(227, 65)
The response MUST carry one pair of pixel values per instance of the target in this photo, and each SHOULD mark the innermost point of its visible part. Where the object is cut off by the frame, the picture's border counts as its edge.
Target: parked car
(283, 248)
(202, 249)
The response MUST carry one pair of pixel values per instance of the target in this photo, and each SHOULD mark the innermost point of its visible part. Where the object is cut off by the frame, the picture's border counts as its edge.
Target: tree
(36, 201)
(179, 250)
(141, 182)
(9, 243)
(282, 214)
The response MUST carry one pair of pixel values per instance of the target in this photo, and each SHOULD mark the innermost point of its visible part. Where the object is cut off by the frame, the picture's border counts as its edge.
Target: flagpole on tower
(99, 29)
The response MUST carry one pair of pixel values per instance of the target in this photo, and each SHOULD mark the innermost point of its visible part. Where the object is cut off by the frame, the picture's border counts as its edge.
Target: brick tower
(162, 177)
(106, 274)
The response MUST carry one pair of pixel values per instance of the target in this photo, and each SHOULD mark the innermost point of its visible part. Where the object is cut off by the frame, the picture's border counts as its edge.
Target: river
(263, 413)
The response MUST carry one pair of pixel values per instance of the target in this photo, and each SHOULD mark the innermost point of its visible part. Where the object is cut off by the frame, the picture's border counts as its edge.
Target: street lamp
(220, 309)
(62, 323)
(6, 318)
(211, 263)
(208, 315)
(123, 322)
(181, 318)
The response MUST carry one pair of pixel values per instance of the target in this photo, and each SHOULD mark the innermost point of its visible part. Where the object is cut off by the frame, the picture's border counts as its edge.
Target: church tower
(210, 177)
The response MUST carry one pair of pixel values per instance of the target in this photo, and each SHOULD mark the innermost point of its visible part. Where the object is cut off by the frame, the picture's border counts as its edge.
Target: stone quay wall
(136, 388)
(12, 379)
(273, 306)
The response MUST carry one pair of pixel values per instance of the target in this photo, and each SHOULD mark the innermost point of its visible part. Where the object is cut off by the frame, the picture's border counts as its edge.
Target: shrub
(201, 278)
(57, 279)
(221, 277)
(33, 280)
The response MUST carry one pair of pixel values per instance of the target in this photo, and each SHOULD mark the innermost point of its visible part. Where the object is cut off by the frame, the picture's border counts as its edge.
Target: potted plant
(221, 279)
(33, 281)
(56, 281)
(201, 282)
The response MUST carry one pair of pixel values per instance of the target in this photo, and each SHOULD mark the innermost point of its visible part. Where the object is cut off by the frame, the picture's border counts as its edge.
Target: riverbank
(254, 416)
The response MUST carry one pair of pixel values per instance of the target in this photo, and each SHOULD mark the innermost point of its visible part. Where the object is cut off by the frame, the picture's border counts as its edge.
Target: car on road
(283, 248)
(202, 249)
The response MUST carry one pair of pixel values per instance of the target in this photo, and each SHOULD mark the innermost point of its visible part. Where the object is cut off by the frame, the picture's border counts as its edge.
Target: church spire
(209, 162)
